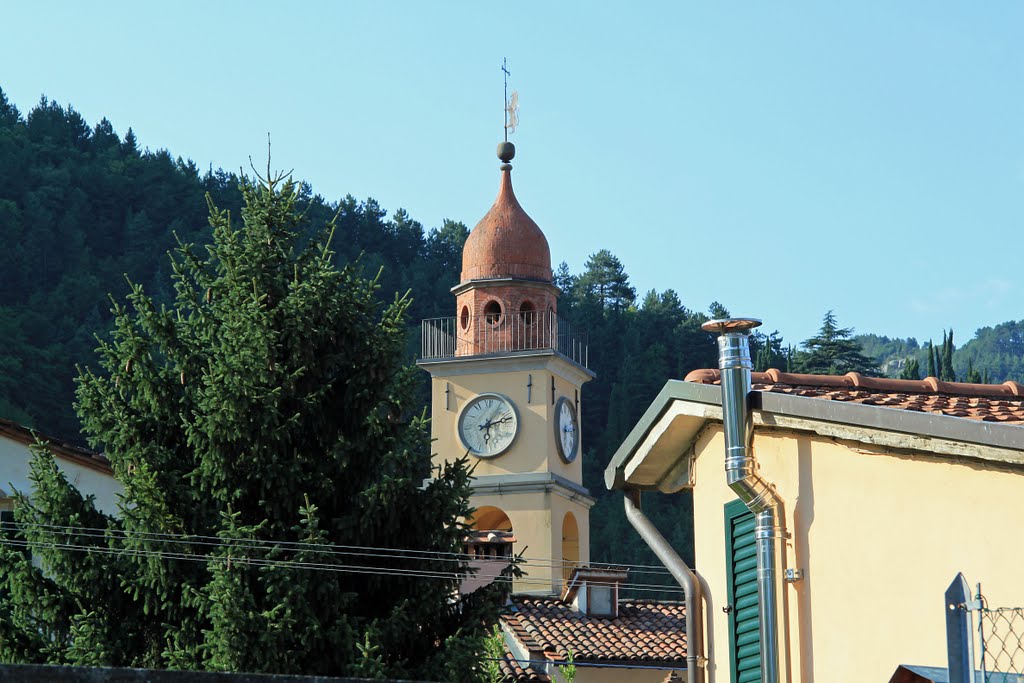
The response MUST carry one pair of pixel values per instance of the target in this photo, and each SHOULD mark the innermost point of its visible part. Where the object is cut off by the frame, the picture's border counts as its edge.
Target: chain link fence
(984, 644)
(1001, 636)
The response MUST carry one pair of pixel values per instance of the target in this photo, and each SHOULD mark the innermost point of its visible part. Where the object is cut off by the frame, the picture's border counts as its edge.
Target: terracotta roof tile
(985, 402)
(645, 631)
(514, 672)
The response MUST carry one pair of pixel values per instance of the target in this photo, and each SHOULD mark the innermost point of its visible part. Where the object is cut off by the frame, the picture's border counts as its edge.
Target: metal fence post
(959, 635)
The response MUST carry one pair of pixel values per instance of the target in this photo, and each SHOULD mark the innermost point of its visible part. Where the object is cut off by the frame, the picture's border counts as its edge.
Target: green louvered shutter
(741, 561)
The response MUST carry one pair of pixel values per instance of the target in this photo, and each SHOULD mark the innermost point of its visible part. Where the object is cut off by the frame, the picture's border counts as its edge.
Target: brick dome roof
(506, 242)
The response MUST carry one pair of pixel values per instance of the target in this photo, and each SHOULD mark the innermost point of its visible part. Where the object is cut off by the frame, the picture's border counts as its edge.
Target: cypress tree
(931, 359)
(260, 426)
(946, 368)
(973, 376)
(912, 370)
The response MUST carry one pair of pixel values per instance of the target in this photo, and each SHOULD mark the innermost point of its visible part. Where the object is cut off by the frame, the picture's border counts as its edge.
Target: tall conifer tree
(263, 431)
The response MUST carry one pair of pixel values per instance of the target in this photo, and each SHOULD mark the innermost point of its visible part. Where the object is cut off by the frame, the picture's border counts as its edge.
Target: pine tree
(605, 280)
(259, 424)
(833, 351)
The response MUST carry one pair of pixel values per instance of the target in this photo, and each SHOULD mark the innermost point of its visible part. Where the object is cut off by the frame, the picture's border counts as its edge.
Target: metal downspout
(759, 495)
(683, 575)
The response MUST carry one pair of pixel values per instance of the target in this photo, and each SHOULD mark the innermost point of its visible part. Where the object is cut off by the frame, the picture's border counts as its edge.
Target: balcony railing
(444, 338)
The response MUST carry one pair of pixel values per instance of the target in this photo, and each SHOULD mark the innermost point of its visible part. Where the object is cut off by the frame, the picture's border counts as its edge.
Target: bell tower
(506, 373)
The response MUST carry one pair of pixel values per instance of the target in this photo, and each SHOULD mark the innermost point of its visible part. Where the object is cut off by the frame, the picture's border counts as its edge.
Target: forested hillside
(83, 206)
(993, 355)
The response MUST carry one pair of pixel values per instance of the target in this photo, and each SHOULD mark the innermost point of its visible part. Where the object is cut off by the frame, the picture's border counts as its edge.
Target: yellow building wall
(879, 538)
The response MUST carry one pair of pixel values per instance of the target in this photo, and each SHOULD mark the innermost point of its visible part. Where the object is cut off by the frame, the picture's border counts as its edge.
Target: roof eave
(656, 453)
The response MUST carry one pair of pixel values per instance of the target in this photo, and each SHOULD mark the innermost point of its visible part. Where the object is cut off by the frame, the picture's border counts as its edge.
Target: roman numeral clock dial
(567, 430)
(488, 425)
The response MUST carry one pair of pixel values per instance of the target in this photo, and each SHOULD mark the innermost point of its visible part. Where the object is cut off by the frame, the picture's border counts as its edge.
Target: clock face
(567, 430)
(488, 425)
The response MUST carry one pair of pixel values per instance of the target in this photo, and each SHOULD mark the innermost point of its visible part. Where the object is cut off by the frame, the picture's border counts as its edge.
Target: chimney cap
(727, 325)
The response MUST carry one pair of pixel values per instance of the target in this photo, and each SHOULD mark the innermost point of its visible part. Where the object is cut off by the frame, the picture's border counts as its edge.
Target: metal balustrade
(446, 338)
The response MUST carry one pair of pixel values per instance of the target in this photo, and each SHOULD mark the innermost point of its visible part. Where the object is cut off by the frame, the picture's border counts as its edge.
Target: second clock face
(567, 433)
(488, 425)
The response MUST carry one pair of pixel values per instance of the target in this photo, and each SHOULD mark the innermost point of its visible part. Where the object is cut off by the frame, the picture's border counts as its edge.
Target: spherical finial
(506, 151)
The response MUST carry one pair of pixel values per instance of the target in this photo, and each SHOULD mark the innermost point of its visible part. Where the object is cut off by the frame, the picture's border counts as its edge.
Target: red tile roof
(645, 632)
(513, 672)
(984, 402)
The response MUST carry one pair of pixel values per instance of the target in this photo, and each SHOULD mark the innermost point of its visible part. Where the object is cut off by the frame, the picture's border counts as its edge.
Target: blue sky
(783, 159)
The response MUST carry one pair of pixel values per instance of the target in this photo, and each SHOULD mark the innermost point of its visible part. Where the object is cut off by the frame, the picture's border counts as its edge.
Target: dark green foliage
(946, 372)
(995, 354)
(768, 352)
(267, 406)
(80, 207)
(833, 351)
(605, 282)
(911, 370)
(634, 351)
(889, 355)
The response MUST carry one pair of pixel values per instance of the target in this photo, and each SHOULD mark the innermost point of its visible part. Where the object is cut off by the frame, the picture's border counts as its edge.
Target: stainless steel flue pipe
(758, 495)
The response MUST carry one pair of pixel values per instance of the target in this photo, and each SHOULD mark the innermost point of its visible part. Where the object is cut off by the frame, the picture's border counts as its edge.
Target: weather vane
(511, 104)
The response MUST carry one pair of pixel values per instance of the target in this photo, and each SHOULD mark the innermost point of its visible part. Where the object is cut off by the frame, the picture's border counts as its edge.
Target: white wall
(14, 470)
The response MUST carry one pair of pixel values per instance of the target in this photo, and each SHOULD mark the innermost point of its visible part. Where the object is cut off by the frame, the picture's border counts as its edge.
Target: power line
(454, 576)
(324, 548)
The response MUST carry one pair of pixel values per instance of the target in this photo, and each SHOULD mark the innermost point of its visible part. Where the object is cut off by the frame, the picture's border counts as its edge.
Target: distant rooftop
(645, 632)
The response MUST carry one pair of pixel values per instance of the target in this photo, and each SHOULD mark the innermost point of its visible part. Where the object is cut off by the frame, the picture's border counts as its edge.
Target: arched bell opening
(491, 534)
(570, 545)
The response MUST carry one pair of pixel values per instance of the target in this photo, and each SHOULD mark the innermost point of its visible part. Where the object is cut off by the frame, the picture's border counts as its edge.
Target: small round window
(492, 312)
(528, 313)
(464, 318)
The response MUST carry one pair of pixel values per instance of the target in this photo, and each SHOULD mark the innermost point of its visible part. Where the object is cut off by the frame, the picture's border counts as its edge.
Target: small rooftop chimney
(595, 592)
(489, 553)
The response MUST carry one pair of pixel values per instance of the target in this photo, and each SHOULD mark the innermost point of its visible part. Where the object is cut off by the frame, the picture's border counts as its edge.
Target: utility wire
(318, 566)
(324, 548)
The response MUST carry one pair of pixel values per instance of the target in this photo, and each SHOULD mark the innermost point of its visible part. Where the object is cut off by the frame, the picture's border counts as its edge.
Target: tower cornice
(505, 281)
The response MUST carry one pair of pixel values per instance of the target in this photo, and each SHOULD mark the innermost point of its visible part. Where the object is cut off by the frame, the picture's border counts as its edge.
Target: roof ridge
(928, 385)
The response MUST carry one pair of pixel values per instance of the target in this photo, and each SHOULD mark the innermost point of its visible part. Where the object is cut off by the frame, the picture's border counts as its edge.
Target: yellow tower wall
(519, 480)
(534, 447)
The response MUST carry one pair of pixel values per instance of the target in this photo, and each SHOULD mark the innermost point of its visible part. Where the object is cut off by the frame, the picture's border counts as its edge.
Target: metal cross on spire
(511, 105)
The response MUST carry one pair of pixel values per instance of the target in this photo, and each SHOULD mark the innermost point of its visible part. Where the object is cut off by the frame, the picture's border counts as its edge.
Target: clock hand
(487, 430)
